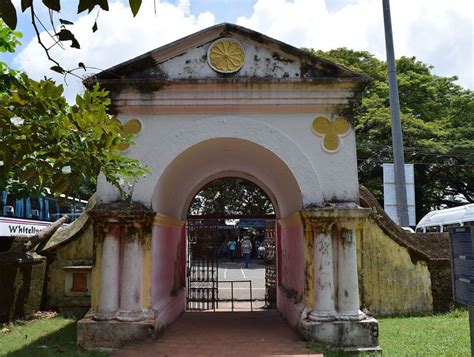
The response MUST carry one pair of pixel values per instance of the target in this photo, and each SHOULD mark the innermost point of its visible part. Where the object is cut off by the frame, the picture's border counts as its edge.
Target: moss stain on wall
(78, 251)
(390, 283)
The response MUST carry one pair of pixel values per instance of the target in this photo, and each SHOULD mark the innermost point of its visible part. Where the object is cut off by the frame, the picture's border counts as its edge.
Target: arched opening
(231, 247)
(216, 158)
(182, 180)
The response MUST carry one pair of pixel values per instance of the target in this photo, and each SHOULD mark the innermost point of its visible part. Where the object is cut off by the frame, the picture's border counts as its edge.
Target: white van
(442, 220)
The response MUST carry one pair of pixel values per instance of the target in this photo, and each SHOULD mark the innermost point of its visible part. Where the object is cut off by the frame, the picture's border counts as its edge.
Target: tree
(49, 146)
(8, 13)
(438, 129)
(231, 196)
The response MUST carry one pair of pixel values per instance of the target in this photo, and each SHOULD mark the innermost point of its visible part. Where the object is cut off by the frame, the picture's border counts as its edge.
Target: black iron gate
(270, 264)
(202, 264)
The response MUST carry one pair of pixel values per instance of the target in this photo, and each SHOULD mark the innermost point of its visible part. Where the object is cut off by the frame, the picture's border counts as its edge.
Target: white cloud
(120, 37)
(437, 32)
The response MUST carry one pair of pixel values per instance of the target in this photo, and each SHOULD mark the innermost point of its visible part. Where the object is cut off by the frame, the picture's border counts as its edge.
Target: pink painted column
(109, 277)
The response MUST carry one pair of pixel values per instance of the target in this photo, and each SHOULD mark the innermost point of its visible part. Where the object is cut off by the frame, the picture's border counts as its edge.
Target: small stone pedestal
(123, 313)
(111, 334)
(334, 318)
(351, 336)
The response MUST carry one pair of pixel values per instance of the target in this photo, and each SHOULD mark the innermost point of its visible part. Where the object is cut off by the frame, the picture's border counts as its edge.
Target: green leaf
(8, 13)
(84, 5)
(65, 22)
(135, 6)
(75, 44)
(54, 5)
(59, 184)
(57, 69)
(104, 4)
(66, 35)
(25, 4)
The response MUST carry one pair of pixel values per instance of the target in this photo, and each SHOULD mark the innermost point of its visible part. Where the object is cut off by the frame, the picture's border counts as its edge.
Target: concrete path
(234, 271)
(245, 334)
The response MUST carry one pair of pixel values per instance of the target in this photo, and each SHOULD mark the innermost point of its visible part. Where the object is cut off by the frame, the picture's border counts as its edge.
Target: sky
(437, 32)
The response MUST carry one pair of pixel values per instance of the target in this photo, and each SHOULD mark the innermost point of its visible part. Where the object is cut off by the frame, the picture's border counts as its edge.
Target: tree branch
(35, 27)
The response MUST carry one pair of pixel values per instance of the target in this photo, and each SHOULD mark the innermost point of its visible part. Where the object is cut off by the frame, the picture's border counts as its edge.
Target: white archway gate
(230, 101)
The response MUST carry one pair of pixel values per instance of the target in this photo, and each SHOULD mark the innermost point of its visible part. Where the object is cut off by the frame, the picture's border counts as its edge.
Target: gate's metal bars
(270, 265)
(202, 279)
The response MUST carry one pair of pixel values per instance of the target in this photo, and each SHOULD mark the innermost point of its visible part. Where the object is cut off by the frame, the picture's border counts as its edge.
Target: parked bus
(26, 216)
(444, 219)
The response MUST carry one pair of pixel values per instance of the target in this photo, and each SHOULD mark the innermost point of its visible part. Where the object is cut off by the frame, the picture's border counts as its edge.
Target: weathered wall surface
(167, 274)
(166, 252)
(289, 137)
(272, 100)
(78, 251)
(401, 273)
(291, 283)
(390, 282)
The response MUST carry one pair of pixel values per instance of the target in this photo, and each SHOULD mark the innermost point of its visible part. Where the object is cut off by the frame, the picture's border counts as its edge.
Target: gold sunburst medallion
(226, 56)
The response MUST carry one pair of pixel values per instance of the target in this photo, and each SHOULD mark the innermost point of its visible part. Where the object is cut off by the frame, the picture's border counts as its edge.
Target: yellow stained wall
(95, 293)
(389, 282)
(146, 271)
(73, 252)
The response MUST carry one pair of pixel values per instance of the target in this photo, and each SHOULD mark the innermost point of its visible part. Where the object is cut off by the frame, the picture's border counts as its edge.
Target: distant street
(234, 271)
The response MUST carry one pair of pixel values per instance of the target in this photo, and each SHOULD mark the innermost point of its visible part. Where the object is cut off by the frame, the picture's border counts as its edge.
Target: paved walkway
(245, 334)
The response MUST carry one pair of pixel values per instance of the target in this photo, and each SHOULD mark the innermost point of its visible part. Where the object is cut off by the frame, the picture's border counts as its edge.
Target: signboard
(462, 263)
(251, 223)
(390, 198)
(19, 227)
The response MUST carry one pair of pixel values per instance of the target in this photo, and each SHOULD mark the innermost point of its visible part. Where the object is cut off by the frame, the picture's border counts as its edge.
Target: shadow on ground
(59, 343)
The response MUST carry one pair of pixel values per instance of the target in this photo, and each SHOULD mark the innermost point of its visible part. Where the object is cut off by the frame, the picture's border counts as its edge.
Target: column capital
(345, 214)
(119, 214)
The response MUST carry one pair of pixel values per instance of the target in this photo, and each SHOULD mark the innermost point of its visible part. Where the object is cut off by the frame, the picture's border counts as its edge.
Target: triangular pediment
(225, 52)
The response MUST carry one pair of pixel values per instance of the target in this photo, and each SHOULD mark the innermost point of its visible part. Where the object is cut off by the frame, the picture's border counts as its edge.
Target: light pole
(397, 136)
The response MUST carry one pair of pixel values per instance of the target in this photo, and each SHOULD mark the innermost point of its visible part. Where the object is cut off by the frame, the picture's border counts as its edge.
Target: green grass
(42, 337)
(437, 335)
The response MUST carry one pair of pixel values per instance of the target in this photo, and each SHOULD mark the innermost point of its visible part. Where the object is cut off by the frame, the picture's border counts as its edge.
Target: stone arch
(221, 157)
(259, 133)
(197, 166)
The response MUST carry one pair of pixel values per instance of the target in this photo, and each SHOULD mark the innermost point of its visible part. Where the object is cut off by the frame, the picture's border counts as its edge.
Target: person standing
(232, 245)
(246, 250)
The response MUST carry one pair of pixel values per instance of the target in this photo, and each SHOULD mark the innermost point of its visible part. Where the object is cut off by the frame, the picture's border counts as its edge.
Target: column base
(360, 335)
(110, 335)
(323, 316)
(104, 316)
(133, 316)
(352, 316)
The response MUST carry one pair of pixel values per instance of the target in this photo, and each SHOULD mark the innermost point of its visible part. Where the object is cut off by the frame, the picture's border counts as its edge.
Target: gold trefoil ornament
(331, 131)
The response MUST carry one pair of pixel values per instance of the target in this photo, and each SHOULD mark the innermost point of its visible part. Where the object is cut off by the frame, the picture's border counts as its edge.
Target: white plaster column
(131, 281)
(348, 283)
(109, 277)
(324, 306)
